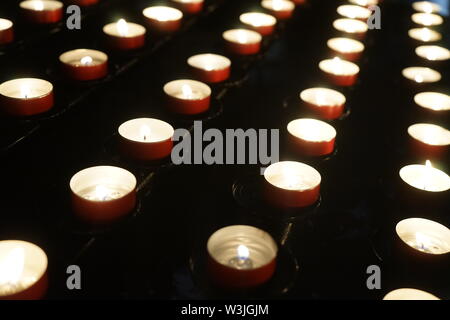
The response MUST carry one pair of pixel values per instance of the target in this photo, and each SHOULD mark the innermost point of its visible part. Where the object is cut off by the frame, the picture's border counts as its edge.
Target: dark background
(158, 252)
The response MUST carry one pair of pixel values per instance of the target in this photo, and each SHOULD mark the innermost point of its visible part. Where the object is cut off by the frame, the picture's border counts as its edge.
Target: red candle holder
(163, 19)
(299, 2)
(312, 137)
(83, 3)
(346, 48)
(189, 6)
(84, 64)
(242, 41)
(187, 97)
(146, 139)
(210, 68)
(420, 75)
(340, 72)
(354, 12)
(325, 103)
(429, 140)
(433, 101)
(291, 184)
(409, 294)
(42, 11)
(241, 257)
(6, 31)
(262, 23)
(352, 27)
(26, 97)
(23, 271)
(280, 9)
(123, 35)
(103, 194)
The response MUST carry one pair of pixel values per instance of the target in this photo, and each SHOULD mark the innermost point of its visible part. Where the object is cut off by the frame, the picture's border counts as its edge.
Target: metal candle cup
(242, 41)
(26, 96)
(241, 257)
(146, 139)
(324, 103)
(163, 19)
(262, 23)
(429, 140)
(6, 31)
(123, 35)
(210, 68)
(187, 96)
(280, 9)
(340, 72)
(103, 194)
(346, 48)
(42, 11)
(189, 6)
(84, 64)
(23, 271)
(290, 184)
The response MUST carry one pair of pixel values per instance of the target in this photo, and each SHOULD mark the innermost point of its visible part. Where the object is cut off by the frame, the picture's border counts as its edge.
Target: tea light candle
(421, 74)
(424, 236)
(312, 137)
(433, 53)
(348, 49)
(262, 23)
(426, 6)
(427, 19)
(424, 34)
(84, 64)
(429, 139)
(425, 178)
(292, 184)
(42, 11)
(26, 96)
(6, 31)
(187, 96)
(103, 194)
(146, 139)
(280, 9)
(189, 6)
(84, 3)
(325, 103)
(241, 257)
(354, 12)
(409, 294)
(211, 68)
(433, 101)
(353, 27)
(124, 35)
(364, 3)
(242, 41)
(163, 19)
(23, 271)
(340, 72)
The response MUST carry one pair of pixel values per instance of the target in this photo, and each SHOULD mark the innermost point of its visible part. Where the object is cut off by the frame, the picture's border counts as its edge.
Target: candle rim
(405, 177)
(194, 84)
(355, 68)
(331, 131)
(423, 95)
(412, 131)
(360, 46)
(271, 20)
(113, 25)
(394, 294)
(151, 13)
(418, 4)
(169, 134)
(437, 19)
(268, 4)
(5, 24)
(217, 57)
(256, 37)
(420, 51)
(340, 96)
(360, 27)
(277, 166)
(67, 56)
(435, 35)
(47, 85)
(56, 4)
(344, 7)
(426, 73)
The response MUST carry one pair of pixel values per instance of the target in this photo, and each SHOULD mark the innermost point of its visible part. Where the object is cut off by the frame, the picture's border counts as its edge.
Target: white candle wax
(427, 19)
(5, 24)
(124, 29)
(433, 53)
(41, 5)
(187, 89)
(409, 294)
(424, 34)
(278, 5)
(290, 175)
(311, 130)
(146, 130)
(425, 177)
(339, 67)
(421, 74)
(345, 45)
(242, 36)
(350, 25)
(430, 134)
(83, 57)
(322, 97)
(25, 88)
(354, 12)
(163, 13)
(257, 19)
(433, 100)
(426, 6)
(209, 62)
(365, 3)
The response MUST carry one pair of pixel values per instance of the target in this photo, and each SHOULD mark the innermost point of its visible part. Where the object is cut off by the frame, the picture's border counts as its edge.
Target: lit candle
(421, 74)
(146, 139)
(42, 11)
(340, 72)
(124, 35)
(241, 257)
(242, 41)
(425, 177)
(23, 271)
(292, 184)
(189, 6)
(364, 3)
(354, 12)
(426, 6)
(348, 49)
(424, 34)
(262, 23)
(433, 53)
(6, 31)
(103, 194)
(211, 68)
(429, 139)
(312, 137)
(323, 102)
(280, 9)
(187, 96)
(409, 294)
(84, 64)
(424, 236)
(26, 96)
(163, 19)
(434, 101)
(427, 19)
(351, 27)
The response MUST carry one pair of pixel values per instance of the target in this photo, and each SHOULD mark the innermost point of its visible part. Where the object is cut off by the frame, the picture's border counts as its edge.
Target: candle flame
(427, 174)
(187, 91)
(422, 241)
(243, 252)
(101, 192)
(428, 164)
(11, 268)
(25, 91)
(145, 132)
(122, 27)
(86, 60)
(38, 5)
